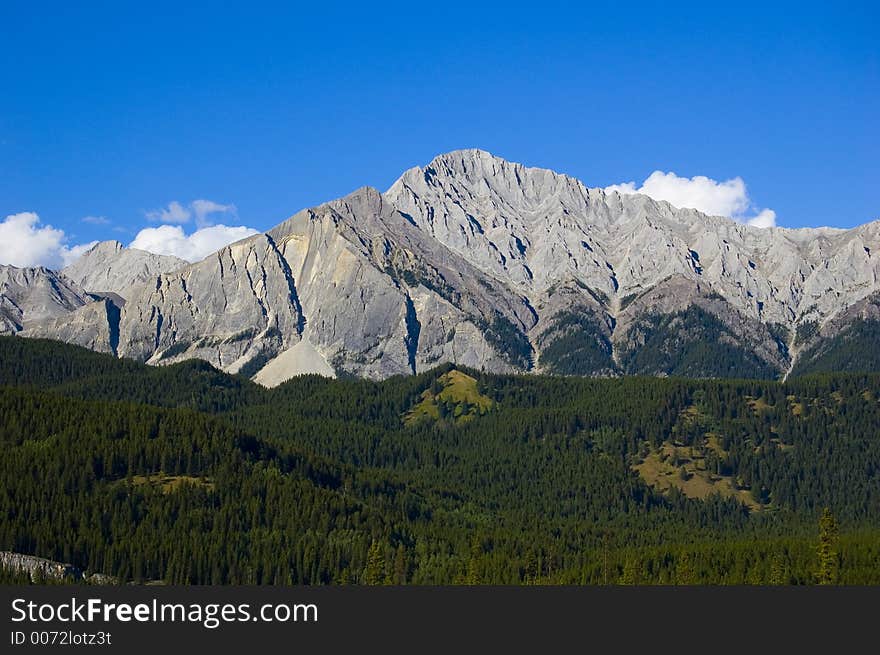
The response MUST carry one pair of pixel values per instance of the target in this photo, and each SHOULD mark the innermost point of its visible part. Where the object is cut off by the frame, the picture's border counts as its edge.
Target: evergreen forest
(183, 474)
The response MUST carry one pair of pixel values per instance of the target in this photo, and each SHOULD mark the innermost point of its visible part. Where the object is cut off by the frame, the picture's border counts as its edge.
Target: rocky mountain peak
(482, 262)
(105, 248)
(110, 267)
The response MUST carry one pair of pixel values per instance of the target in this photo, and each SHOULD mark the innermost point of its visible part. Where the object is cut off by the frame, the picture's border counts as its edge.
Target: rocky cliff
(109, 267)
(29, 296)
(41, 570)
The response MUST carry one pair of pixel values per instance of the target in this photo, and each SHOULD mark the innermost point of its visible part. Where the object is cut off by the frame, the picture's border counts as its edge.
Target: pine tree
(827, 551)
(756, 575)
(531, 568)
(374, 570)
(473, 571)
(400, 566)
(778, 573)
(684, 573)
(630, 573)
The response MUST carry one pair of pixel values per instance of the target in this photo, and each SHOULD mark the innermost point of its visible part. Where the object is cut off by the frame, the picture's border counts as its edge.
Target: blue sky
(115, 113)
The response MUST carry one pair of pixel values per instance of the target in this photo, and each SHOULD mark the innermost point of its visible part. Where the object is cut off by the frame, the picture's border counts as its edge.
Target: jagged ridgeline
(186, 474)
(483, 263)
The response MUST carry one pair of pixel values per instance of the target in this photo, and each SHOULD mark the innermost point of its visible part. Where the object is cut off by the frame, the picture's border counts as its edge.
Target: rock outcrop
(109, 267)
(42, 570)
(237, 309)
(39, 569)
(29, 296)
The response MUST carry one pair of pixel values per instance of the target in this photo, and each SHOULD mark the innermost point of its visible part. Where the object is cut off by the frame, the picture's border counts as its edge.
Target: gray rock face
(94, 325)
(472, 260)
(237, 309)
(37, 302)
(380, 298)
(110, 267)
(38, 568)
(31, 295)
(41, 570)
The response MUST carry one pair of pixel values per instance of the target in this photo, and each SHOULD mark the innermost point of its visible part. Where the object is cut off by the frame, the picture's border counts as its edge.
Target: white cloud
(728, 198)
(178, 214)
(203, 208)
(765, 218)
(24, 243)
(171, 240)
(173, 213)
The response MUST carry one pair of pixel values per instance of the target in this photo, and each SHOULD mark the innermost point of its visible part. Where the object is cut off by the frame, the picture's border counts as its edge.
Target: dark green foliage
(691, 343)
(781, 336)
(597, 295)
(427, 277)
(574, 344)
(805, 331)
(14, 578)
(252, 367)
(82, 373)
(320, 481)
(827, 573)
(504, 336)
(855, 349)
(627, 300)
(177, 349)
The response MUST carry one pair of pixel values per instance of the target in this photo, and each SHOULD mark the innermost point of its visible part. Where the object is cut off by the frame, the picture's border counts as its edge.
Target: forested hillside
(187, 475)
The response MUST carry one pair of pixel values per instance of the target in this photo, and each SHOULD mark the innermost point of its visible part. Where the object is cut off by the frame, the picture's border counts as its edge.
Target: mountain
(109, 267)
(347, 288)
(29, 296)
(486, 263)
(82, 303)
(641, 273)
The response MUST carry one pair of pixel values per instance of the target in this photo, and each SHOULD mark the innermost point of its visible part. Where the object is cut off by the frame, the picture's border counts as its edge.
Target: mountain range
(485, 263)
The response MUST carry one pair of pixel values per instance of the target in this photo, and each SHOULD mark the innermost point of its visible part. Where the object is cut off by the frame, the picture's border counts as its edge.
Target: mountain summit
(483, 262)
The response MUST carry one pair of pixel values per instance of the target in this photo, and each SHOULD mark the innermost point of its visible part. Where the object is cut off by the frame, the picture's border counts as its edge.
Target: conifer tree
(400, 566)
(374, 570)
(630, 573)
(778, 573)
(827, 551)
(684, 573)
(473, 572)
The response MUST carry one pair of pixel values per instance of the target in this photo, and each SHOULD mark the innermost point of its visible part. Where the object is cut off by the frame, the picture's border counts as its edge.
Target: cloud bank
(172, 240)
(177, 214)
(24, 243)
(173, 213)
(727, 198)
(202, 209)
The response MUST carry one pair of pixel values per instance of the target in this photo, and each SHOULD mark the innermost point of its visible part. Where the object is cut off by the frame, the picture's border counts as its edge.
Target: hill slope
(186, 474)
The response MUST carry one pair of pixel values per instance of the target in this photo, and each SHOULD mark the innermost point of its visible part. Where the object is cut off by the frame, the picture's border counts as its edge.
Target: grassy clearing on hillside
(759, 405)
(454, 395)
(685, 469)
(171, 483)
